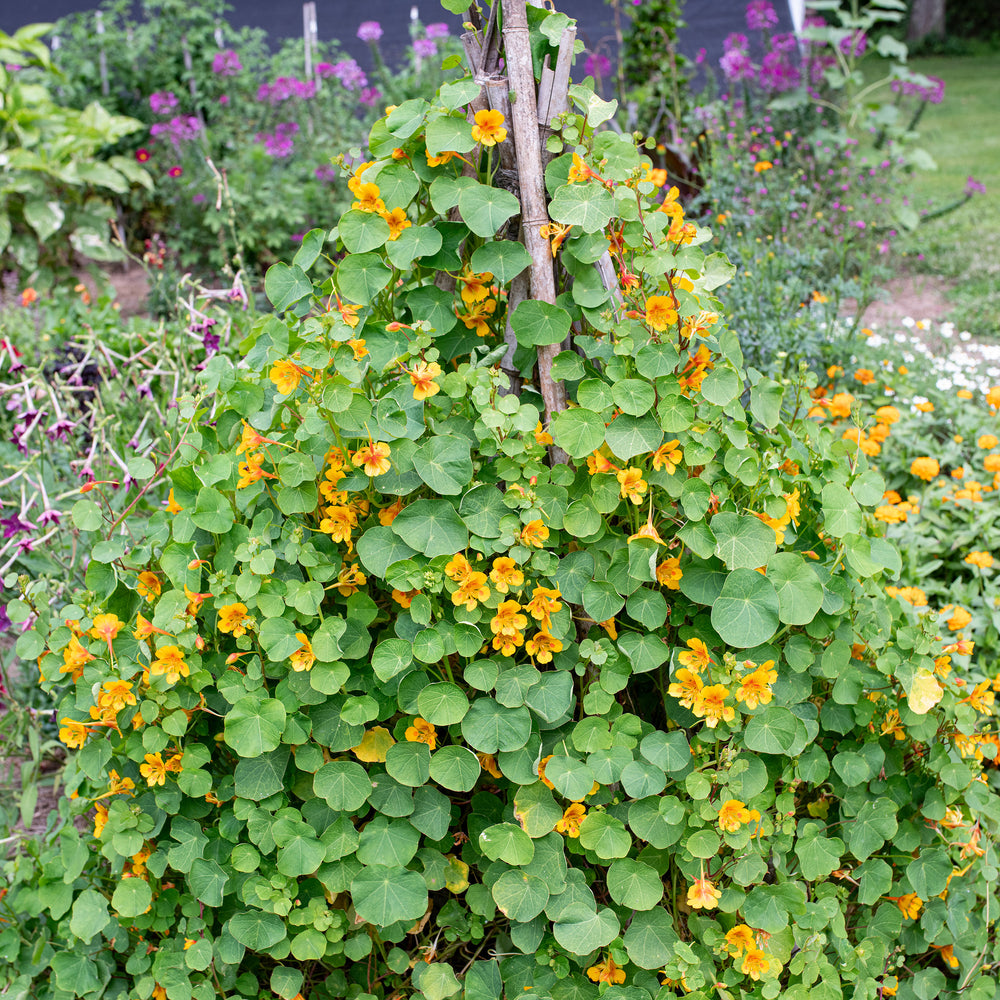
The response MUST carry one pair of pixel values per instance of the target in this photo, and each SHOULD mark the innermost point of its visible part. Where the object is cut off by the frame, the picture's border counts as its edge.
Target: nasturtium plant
(417, 685)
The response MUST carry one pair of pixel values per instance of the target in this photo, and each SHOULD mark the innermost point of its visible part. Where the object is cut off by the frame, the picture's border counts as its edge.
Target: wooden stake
(524, 125)
(102, 56)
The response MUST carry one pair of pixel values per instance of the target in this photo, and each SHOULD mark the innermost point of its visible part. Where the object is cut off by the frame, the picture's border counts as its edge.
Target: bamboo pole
(524, 125)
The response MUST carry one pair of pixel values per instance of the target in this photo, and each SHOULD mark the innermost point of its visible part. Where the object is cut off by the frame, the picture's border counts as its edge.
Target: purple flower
(349, 73)
(210, 341)
(224, 100)
(5, 622)
(279, 144)
(700, 57)
(198, 198)
(854, 45)
(162, 101)
(180, 129)
(597, 65)
(424, 48)
(778, 75)
(761, 15)
(438, 30)
(49, 516)
(370, 96)
(59, 431)
(226, 63)
(973, 186)
(325, 173)
(784, 42)
(737, 65)
(369, 31)
(14, 525)
(285, 87)
(736, 40)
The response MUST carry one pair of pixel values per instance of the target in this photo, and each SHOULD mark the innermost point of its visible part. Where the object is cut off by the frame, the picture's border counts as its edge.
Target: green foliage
(57, 179)
(430, 711)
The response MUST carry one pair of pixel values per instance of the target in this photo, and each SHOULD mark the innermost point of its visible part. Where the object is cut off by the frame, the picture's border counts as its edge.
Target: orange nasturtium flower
(959, 619)
(534, 534)
(234, 618)
(154, 770)
(668, 573)
(397, 222)
(505, 574)
(606, 972)
(488, 128)
(72, 733)
(660, 312)
(422, 731)
(909, 905)
(754, 964)
(696, 657)
(633, 486)
(667, 456)
(710, 704)
(303, 658)
(489, 764)
(571, 820)
(286, 375)
(981, 559)
(373, 458)
(542, 646)
(475, 287)
(739, 939)
(116, 695)
(169, 662)
(733, 814)
(148, 586)
(369, 199)
(686, 688)
(472, 591)
(106, 627)
(755, 687)
(458, 568)
(703, 895)
(422, 376)
(508, 619)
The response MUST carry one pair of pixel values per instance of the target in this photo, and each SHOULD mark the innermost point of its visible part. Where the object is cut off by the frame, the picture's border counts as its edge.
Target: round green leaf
(640, 779)
(704, 843)
(489, 726)
(360, 277)
(504, 259)
(605, 835)
(362, 231)
(254, 725)
(383, 895)
(388, 842)
(257, 931)
(391, 657)
(772, 731)
(285, 285)
(455, 768)
(745, 614)
(581, 930)
(444, 463)
(578, 432)
(573, 779)
(343, 784)
(131, 898)
(485, 209)
(650, 939)
(589, 206)
(432, 527)
(630, 436)
(520, 897)
(633, 395)
(442, 704)
(634, 884)
(601, 601)
(539, 323)
(507, 842)
(412, 243)
(536, 809)
(409, 763)
(742, 540)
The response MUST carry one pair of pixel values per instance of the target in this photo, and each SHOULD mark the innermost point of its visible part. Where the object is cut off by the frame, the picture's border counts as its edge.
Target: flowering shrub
(421, 684)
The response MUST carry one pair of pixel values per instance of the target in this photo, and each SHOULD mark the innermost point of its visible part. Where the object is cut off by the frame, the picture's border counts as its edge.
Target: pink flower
(369, 31)
(175, 171)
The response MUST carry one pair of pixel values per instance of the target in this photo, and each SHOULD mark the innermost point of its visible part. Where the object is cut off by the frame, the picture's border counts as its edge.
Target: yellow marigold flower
(116, 695)
(153, 770)
(959, 619)
(710, 704)
(349, 580)
(668, 456)
(696, 657)
(992, 463)
(303, 658)
(887, 415)
(286, 375)
(148, 586)
(489, 764)
(732, 815)
(74, 734)
(106, 627)
(422, 376)
(754, 964)
(925, 468)
(234, 618)
(987, 441)
(169, 662)
(422, 732)
(369, 199)
(739, 939)
(761, 165)
(984, 560)
(668, 573)
(686, 688)
(571, 820)
(633, 486)
(703, 895)
(488, 128)
(506, 574)
(865, 376)
(660, 312)
(606, 972)
(542, 646)
(472, 591)
(397, 222)
(373, 458)
(534, 534)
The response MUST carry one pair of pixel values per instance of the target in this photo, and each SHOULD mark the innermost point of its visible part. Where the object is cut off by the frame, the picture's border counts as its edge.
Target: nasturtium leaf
(442, 704)
(285, 285)
(650, 938)
(925, 691)
(745, 614)
(669, 751)
(551, 697)
(409, 763)
(344, 785)
(536, 809)
(504, 259)
(722, 385)
(818, 855)
(444, 463)
(645, 651)
(520, 897)
(589, 206)
(485, 209)
(573, 779)
(258, 931)
(386, 841)
(872, 827)
(391, 657)
(489, 726)
(254, 725)
(800, 592)
(412, 243)
(433, 306)
(362, 231)
(436, 980)
(578, 431)
(634, 396)
(773, 731)
(360, 277)
(768, 907)
(539, 323)
(605, 835)
(507, 842)
(640, 779)
(675, 413)
(481, 509)
(407, 118)
(929, 871)
(742, 541)
(432, 527)
(581, 930)
(383, 895)
(258, 777)
(448, 133)
(703, 843)
(875, 881)
(456, 768)
(628, 436)
(634, 884)
(212, 512)
(601, 601)
(131, 898)
(841, 513)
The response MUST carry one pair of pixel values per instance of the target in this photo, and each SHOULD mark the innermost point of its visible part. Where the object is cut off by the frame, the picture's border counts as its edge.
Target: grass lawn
(963, 135)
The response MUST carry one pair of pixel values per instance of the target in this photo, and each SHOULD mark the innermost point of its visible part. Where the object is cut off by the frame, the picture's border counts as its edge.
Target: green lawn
(963, 135)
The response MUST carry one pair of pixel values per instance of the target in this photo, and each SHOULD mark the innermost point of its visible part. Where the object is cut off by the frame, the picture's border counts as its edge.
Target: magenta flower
(973, 186)
(425, 48)
(226, 63)
(350, 74)
(162, 101)
(370, 96)
(761, 15)
(175, 171)
(177, 130)
(597, 65)
(438, 30)
(369, 31)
